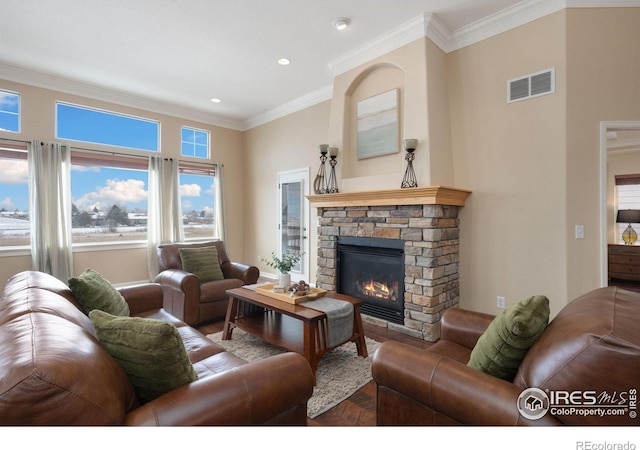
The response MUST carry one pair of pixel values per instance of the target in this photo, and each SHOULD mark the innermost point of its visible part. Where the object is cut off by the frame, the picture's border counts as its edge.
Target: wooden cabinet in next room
(624, 262)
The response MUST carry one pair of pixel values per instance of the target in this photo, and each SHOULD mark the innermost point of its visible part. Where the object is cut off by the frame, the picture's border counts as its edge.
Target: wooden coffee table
(292, 327)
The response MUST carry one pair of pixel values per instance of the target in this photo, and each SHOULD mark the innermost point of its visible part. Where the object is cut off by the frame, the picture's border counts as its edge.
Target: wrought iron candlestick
(409, 180)
(332, 183)
(320, 183)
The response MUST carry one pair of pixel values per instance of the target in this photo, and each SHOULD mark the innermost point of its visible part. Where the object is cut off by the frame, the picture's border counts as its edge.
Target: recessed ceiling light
(216, 100)
(341, 23)
(284, 61)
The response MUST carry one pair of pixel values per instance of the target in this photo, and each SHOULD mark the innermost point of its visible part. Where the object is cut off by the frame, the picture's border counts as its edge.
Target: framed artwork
(378, 126)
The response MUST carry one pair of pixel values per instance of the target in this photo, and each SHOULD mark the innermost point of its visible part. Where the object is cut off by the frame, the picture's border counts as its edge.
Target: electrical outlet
(500, 302)
(579, 231)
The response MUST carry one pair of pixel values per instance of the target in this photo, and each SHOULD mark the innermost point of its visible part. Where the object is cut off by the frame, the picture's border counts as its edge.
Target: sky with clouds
(102, 188)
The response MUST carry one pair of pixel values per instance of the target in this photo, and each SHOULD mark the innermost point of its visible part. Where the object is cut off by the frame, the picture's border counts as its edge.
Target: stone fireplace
(423, 223)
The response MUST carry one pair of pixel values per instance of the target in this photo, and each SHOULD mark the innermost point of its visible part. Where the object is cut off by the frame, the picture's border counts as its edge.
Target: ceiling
(183, 53)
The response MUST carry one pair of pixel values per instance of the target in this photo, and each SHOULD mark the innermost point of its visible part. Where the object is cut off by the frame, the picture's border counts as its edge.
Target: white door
(293, 226)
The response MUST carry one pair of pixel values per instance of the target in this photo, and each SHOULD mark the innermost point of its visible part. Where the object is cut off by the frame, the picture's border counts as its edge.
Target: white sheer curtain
(164, 216)
(50, 208)
(220, 228)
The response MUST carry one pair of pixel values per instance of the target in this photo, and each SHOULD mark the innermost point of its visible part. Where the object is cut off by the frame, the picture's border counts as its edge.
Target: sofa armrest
(143, 297)
(244, 272)
(181, 294)
(448, 387)
(463, 327)
(180, 281)
(252, 394)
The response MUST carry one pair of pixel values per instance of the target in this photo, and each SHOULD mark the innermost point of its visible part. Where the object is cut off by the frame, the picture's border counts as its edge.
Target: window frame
(20, 152)
(97, 158)
(19, 113)
(183, 142)
(188, 168)
(158, 124)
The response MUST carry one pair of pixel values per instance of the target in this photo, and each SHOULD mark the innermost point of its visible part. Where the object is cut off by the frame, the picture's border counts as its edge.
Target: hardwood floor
(360, 408)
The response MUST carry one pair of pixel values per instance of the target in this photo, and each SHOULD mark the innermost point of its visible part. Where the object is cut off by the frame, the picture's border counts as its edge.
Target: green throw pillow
(504, 344)
(202, 262)
(150, 351)
(93, 291)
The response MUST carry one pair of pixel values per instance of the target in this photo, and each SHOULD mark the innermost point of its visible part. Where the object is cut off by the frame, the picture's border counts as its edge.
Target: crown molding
(385, 43)
(438, 33)
(521, 14)
(72, 87)
(306, 101)
(505, 20)
(430, 26)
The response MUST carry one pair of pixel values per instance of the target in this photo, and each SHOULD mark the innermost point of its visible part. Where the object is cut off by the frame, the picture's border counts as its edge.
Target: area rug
(340, 374)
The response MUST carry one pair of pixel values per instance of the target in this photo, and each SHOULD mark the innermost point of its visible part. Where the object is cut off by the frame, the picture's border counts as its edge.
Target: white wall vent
(532, 85)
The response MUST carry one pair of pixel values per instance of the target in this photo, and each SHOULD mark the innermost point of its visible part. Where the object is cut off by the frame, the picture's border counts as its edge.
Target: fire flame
(376, 289)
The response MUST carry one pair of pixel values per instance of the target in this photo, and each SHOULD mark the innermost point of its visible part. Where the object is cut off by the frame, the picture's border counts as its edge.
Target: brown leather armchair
(591, 348)
(188, 299)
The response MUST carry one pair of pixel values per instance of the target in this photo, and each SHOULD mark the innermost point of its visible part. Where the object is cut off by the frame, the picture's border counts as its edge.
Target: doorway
(293, 187)
(619, 154)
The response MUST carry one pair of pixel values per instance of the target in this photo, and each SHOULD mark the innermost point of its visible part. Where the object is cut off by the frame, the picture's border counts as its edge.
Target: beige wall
(128, 265)
(603, 81)
(512, 157)
(440, 167)
(285, 144)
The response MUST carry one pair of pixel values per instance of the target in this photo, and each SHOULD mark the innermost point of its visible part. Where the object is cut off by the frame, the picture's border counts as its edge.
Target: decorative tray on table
(312, 292)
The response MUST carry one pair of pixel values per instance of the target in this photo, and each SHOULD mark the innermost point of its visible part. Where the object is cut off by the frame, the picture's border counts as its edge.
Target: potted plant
(284, 266)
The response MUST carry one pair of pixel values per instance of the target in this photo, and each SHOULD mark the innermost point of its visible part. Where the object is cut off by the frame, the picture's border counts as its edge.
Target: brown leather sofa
(54, 371)
(188, 299)
(590, 349)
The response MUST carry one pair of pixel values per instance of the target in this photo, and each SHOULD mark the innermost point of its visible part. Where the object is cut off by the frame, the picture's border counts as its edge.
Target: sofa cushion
(216, 291)
(150, 351)
(202, 262)
(502, 347)
(93, 291)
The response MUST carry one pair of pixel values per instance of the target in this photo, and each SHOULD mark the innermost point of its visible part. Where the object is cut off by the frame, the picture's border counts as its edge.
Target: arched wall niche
(376, 79)
(405, 69)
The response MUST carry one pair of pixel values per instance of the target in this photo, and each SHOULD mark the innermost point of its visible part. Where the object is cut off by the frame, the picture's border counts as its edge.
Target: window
(14, 197)
(627, 197)
(197, 201)
(109, 198)
(195, 143)
(79, 123)
(9, 111)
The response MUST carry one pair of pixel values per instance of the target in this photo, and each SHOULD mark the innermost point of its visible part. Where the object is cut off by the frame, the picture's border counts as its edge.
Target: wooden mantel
(430, 195)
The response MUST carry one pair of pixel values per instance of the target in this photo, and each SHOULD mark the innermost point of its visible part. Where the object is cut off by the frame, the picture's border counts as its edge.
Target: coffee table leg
(231, 308)
(310, 350)
(361, 343)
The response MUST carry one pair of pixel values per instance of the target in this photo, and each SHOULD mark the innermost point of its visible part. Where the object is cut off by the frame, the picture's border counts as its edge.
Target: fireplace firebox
(372, 269)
